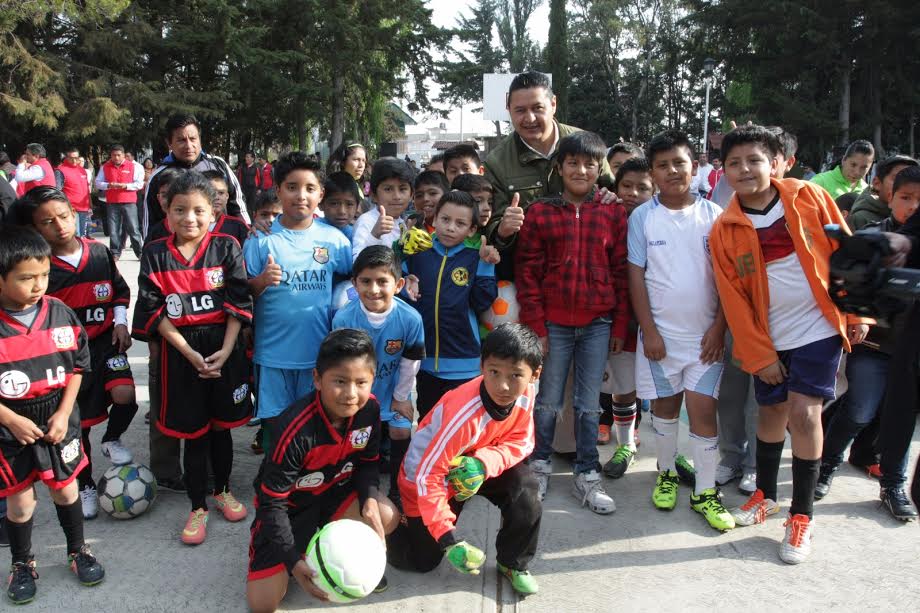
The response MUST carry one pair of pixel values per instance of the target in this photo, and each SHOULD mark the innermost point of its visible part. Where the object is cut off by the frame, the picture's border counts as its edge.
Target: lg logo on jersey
(96, 315)
(14, 384)
(199, 303)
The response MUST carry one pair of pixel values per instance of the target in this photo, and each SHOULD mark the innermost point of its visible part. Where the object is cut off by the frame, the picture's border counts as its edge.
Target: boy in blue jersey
(340, 203)
(450, 284)
(292, 272)
(399, 341)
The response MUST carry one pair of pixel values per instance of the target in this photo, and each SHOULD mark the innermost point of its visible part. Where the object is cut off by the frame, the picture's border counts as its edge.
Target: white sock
(705, 458)
(665, 442)
(624, 420)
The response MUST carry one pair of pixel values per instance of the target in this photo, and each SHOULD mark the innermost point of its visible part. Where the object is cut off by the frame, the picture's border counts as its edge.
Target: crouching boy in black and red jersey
(322, 466)
(193, 299)
(43, 355)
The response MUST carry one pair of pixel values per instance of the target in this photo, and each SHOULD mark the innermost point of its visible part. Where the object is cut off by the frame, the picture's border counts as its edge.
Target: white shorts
(680, 370)
(620, 374)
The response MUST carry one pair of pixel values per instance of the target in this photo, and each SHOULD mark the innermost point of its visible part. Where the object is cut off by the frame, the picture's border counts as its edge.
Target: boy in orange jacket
(771, 260)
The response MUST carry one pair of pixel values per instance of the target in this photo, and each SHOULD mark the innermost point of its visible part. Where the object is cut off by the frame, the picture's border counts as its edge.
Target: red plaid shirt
(570, 265)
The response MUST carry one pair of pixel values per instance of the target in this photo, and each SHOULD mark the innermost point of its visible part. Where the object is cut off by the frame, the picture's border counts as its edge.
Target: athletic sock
(768, 456)
(665, 442)
(85, 477)
(398, 448)
(70, 516)
(195, 464)
(20, 540)
(624, 419)
(221, 458)
(804, 479)
(705, 457)
(120, 416)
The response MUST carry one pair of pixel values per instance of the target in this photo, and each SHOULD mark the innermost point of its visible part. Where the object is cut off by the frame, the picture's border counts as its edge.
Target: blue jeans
(83, 219)
(123, 216)
(588, 346)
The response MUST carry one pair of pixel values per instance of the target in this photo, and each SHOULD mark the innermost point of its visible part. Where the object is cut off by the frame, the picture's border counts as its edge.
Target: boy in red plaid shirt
(572, 289)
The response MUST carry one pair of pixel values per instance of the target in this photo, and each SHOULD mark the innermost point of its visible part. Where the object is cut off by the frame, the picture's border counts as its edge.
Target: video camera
(860, 282)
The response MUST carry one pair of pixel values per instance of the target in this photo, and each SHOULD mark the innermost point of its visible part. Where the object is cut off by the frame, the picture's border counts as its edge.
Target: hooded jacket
(868, 209)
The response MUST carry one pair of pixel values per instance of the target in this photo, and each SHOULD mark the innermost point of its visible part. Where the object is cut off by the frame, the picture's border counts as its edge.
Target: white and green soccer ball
(127, 491)
(349, 559)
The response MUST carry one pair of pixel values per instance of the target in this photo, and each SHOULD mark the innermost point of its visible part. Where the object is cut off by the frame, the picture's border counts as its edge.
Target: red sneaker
(603, 434)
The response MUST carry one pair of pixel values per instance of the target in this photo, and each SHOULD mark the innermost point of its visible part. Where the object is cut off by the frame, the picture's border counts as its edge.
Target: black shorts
(190, 405)
(55, 465)
(265, 558)
(110, 368)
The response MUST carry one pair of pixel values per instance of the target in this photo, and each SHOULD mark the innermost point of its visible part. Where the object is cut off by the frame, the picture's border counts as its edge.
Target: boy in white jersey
(682, 328)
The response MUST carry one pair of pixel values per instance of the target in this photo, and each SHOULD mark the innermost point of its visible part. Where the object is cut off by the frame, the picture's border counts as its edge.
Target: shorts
(190, 405)
(620, 374)
(681, 370)
(394, 419)
(109, 369)
(55, 465)
(279, 388)
(810, 370)
(266, 559)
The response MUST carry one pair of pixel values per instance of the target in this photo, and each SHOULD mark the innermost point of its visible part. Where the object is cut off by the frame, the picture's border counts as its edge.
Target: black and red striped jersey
(157, 231)
(197, 292)
(42, 359)
(233, 226)
(92, 289)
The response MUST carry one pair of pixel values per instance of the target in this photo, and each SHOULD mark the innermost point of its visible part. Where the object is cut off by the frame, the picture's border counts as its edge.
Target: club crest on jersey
(359, 438)
(308, 482)
(321, 254)
(216, 277)
(394, 346)
(70, 451)
(102, 291)
(14, 384)
(64, 337)
(460, 276)
(240, 393)
(174, 306)
(117, 363)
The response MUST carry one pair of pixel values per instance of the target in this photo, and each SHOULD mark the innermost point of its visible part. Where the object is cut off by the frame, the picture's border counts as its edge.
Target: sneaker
(748, 483)
(173, 485)
(755, 510)
(256, 444)
(709, 506)
(874, 471)
(21, 584)
(726, 474)
(796, 544)
(587, 487)
(227, 504)
(895, 500)
(382, 585)
(542, 470)
(89, 572)
(664, 496)
(117, 453)
(825, 477)
(685, 471)
(622, 458)
(522, 581)
(196, 528)
(89, 499)
(603, 434)
(255, 421)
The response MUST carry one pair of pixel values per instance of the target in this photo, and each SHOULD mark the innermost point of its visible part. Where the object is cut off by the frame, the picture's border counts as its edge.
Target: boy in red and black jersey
(193, 298)
(85, 278)
(223, 223)
(322, 466)
(43, 355)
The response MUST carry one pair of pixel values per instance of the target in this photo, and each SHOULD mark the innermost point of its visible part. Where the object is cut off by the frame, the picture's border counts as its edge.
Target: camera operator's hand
(900, 247)
(857, 333)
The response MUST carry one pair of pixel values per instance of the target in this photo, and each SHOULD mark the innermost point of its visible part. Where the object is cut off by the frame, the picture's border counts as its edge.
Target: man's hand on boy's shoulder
(304, 575)
(412, 288)
(605, 196)
(488, 253)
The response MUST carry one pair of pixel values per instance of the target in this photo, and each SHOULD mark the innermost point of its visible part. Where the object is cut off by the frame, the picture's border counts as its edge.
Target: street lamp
(708, 65)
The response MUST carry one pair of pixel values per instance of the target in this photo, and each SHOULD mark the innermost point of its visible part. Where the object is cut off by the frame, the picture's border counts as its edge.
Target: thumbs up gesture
(271, 274)
(384, 223)
(488, 253)
(512, 218)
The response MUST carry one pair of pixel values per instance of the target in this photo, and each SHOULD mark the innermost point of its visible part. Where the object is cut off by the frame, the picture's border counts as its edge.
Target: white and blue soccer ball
(127, 491)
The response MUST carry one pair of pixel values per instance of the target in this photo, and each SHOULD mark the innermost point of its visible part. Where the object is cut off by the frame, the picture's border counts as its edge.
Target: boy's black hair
(345, 344)
(432, 177)
(581, 143)
(37, 149)
(22, 210)
(377, 256)
(859, 146)
(667, 140)
(907, 176)
(296, 160)
(168, 176)
(250, 152)
(759, 135)
(455, 196)
(630, 148)
(265, 198)
(68, 149)
(529, 80)
(846, 201)
(458, 152)
(341, 183)
(884, 168)
(788, 141)
(116, 147)
(472, 183)
(437, 157)
(515, 342)
(391, 168)
(631, 165)
(17, 244)
(190, 182)
(179, 121)
(212, 175)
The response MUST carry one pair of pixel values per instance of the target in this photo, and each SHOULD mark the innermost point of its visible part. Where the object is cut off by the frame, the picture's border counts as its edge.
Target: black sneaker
(382, 586)
(4, 535)
(84, 565)
(173, 485)
(256, 444)
(21, 588)
(896, 500)
(825, 477)
(685, 471)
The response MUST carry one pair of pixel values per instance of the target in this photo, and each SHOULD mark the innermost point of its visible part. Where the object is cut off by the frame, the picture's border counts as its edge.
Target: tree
(461, 79)
(520, 51)
(556, 56)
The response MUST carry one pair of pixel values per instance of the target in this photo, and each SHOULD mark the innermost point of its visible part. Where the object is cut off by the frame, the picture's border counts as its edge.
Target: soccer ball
(349, 559)
(343, 293)
(127, 491)
(504, 310)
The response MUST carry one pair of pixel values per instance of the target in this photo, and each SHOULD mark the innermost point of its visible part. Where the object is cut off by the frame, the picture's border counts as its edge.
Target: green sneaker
(709, 506)
(685, 471)
(665, 493)
(522, 581)
(622, 458)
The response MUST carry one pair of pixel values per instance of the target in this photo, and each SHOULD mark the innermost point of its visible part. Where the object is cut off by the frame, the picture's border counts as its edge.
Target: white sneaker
(89, 500)
(748, 484)
(755, 510)
(797, 543)
(542, 469)
(117, 453)
(726, 474)
(587, 488)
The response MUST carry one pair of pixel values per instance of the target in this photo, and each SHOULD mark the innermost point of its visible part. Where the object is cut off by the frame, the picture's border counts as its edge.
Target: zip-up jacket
(868, 209)
(836, 184)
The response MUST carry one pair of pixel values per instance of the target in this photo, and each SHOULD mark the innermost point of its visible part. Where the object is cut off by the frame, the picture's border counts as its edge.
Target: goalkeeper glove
(465, 558)
(466, 476)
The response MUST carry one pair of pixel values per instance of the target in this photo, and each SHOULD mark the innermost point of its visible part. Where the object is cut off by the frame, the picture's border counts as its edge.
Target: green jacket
(836, 184)
(867, 209)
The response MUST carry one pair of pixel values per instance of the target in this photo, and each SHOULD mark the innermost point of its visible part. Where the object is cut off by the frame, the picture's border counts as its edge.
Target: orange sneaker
(603, 434)
(196, 528)
(755, 510)
(232, 508)
(874, 471)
